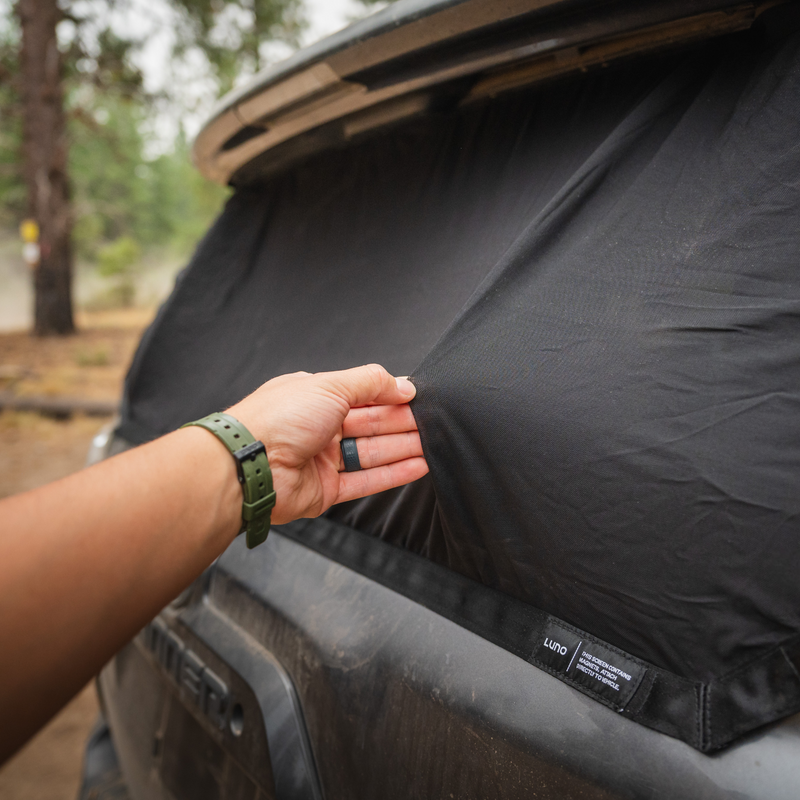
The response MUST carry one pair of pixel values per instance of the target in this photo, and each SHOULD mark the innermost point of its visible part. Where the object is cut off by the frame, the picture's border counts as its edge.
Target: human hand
(302, 418)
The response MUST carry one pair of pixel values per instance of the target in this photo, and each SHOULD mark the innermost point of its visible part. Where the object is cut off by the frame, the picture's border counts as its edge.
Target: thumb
(370, 385)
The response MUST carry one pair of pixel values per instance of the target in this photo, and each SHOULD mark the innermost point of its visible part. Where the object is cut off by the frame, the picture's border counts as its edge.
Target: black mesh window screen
(595, 284)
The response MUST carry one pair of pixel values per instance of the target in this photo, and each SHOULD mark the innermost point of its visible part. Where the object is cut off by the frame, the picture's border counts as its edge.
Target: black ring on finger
(350, 455)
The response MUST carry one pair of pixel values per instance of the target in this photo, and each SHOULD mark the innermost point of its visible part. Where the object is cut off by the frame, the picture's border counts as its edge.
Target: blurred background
(137, 79)
(100, 207)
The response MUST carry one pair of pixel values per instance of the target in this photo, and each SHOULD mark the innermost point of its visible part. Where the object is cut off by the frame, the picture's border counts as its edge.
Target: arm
(87, 561)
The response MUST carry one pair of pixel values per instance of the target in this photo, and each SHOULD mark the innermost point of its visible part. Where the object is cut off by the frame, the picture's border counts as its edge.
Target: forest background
(138, 77)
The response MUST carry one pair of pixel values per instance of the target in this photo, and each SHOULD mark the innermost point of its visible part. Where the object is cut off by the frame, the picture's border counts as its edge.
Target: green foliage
(92, 358)
(12, 183)
(118, 257)
(96, 56)
(231, 32)
(124, 203)
(117, 192)
(186, 201)
(117, 260)
(105, 152)
(122, 200)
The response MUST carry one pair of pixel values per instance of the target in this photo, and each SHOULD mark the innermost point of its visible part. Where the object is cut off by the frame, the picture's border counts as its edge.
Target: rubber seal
(350, 455)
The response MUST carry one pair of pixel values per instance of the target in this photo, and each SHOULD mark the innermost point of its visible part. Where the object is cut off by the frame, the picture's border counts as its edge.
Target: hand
(302, 418)
(102, 563)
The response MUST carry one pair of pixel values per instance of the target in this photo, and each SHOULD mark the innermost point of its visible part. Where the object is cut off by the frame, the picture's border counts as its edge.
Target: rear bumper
(336, 686)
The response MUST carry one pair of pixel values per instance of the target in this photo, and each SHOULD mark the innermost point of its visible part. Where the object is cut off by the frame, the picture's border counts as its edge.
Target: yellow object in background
(29, 231)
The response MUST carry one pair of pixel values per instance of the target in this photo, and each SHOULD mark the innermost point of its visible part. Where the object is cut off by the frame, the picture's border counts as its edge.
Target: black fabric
(595, 286)
(366, 254)
(632, 365)
(707, 717)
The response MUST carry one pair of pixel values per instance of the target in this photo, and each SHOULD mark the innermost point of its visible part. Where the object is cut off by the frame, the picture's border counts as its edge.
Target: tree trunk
(45, 156)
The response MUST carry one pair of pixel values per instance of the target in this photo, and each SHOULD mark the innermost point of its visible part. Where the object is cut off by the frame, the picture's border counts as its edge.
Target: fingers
(376, 451)
(353, 485)
(387, 461)
(370, 384)
(378, 420)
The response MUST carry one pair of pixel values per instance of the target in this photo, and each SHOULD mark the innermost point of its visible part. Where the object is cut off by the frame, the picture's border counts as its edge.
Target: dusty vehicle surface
(575, 225)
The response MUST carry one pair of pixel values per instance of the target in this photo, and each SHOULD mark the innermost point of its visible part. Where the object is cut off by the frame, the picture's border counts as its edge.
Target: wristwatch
(252, 467)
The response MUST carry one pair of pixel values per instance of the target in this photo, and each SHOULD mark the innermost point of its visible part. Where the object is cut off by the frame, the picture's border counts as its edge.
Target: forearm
(90, 559)
(87, 561)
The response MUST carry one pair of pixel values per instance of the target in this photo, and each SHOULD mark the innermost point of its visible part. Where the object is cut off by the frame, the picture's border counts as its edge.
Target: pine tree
(43, 71)
(45, 163)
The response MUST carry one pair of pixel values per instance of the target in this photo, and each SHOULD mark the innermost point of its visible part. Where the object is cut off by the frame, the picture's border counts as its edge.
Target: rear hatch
(574, 225)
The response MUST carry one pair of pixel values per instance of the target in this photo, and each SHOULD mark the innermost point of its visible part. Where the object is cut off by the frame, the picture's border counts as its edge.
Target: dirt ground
(49, 766)
(35, 450)
(90, 364)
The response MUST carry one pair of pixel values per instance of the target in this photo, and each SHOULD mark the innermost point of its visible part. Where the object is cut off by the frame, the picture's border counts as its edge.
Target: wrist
(221, 492)
(253, 472)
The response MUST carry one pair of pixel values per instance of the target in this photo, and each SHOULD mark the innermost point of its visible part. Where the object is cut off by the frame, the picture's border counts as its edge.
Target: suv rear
(574, 225)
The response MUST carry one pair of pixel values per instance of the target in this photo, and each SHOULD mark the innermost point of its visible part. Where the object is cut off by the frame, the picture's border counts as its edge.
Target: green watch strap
(252, 466)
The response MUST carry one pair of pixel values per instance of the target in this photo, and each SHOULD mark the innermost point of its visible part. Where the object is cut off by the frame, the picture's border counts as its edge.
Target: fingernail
(406, 388)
